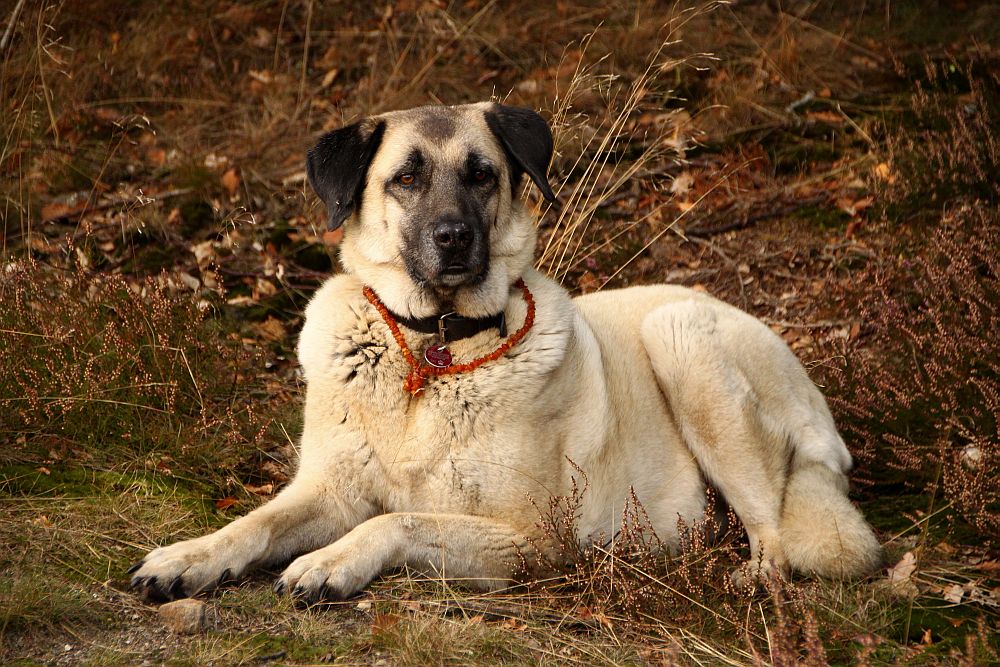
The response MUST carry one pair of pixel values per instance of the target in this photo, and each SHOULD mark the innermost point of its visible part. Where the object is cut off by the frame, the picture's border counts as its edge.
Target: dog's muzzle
(459, 246)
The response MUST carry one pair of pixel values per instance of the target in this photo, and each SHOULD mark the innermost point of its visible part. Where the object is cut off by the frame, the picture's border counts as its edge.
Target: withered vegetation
(830, 167)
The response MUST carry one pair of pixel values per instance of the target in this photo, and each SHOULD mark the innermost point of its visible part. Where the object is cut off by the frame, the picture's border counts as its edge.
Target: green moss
(77, 481)
(196, 214)
(826, 218)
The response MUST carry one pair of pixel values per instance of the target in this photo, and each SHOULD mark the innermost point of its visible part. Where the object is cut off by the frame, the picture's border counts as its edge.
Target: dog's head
(428, 197)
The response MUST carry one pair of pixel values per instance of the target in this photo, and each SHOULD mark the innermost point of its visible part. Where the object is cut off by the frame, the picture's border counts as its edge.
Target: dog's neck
(450, 326)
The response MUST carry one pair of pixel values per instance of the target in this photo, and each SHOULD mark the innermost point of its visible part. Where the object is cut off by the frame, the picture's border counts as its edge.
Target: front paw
(181, 570)
(329, 574)
(755, 575)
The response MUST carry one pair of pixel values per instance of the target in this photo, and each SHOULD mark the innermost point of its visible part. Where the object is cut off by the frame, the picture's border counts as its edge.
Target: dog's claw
(280, 586)
(136, 566)
(150, 590)
(175, 590)
(224, 578)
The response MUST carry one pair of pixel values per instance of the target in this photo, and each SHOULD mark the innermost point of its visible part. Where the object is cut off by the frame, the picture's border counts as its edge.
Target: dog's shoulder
(337, 320)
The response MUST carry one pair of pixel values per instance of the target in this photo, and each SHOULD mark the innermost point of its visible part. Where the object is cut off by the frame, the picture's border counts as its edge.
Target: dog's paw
(181, 570)
(753, 577)
(328, 574)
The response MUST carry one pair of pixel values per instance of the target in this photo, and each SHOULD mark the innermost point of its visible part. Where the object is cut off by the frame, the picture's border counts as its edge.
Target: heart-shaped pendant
(438, 356)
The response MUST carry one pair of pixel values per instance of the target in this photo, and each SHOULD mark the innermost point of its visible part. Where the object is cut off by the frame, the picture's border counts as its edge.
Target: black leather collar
(452, 326)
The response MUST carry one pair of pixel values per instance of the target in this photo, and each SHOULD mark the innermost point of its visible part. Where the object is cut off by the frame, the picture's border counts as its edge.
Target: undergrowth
(112, 371)
(922, 390)
(159, 243)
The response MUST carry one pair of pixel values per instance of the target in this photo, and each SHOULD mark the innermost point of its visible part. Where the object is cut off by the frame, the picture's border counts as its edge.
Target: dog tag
(438, 356)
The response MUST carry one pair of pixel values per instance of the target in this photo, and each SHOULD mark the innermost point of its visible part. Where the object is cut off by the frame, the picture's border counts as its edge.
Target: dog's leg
(481, 552)
(308, 514)
(715, 408)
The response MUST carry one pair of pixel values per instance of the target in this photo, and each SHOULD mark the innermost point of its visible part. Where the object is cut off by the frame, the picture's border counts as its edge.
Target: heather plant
(629, 583)
(121, 370)
(921, 400)
(923, 396)
(951, 148)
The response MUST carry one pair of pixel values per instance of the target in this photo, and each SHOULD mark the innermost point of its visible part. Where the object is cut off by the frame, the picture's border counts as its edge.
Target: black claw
(135, 567)
(298, 590)
(280, 586)
(136, 582)
(175, 590)
(152, 591)
(224, 578)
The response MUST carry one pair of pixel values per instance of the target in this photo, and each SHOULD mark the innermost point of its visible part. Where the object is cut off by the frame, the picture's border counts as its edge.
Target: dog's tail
(822, 533)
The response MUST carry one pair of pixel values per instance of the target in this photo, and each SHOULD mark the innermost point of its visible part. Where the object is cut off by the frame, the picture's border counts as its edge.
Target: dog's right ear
(337, 167)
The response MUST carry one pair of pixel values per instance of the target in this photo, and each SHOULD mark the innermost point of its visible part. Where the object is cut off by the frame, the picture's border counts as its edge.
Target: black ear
(527, 140)
(337, 167)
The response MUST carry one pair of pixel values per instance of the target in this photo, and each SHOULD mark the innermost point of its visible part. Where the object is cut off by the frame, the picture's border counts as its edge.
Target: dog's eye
(406, 179)
(480, 176)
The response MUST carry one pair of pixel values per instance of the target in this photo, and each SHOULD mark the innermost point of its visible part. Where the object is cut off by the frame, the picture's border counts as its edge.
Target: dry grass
(159, 245)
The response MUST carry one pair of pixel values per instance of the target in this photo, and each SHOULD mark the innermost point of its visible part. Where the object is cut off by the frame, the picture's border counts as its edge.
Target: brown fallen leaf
(274, 471)
(588, 282)
(156, 156)
(262, 490)
(682, 183)
(383, 622)
(828, 117)
(58, 210)
(271, 329)
(902, 570)
(954, 593)
(223, 503)
(514, 624)
(231, 181)
(900, 575)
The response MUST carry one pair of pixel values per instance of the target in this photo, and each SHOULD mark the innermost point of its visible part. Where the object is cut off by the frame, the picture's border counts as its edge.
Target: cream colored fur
(660, 389)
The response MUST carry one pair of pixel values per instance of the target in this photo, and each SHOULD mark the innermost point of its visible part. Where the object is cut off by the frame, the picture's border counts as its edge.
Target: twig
(82, 210)
(305, 53)
(10, 24)
(54, 126)
(821, 324)
(705, 232)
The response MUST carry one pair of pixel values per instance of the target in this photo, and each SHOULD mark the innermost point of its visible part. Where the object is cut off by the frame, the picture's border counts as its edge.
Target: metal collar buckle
(442, 328)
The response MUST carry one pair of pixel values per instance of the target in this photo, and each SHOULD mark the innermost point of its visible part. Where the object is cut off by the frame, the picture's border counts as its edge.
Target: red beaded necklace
(414, 382)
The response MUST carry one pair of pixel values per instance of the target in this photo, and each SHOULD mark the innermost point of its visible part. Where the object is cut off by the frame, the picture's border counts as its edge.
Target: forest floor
(833, 168)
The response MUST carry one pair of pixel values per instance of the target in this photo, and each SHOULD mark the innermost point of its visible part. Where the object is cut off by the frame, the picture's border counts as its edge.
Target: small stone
(185, 617)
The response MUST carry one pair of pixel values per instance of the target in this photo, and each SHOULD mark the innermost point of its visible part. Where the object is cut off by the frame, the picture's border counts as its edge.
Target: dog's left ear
(527, 141)
(337, 167)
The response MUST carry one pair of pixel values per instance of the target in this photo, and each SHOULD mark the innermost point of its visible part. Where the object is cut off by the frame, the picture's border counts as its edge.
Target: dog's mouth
(456, 274)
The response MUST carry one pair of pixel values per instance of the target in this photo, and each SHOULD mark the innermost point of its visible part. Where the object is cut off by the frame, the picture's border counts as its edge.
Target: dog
(449, 385)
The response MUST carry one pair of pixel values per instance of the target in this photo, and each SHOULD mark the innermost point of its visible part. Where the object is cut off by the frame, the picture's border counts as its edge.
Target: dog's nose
(453, 235)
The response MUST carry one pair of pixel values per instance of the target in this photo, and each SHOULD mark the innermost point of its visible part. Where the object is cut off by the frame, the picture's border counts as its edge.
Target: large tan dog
(658, 388)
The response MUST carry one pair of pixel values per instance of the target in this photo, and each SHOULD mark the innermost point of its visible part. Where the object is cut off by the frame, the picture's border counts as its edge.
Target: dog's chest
(437, 450)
